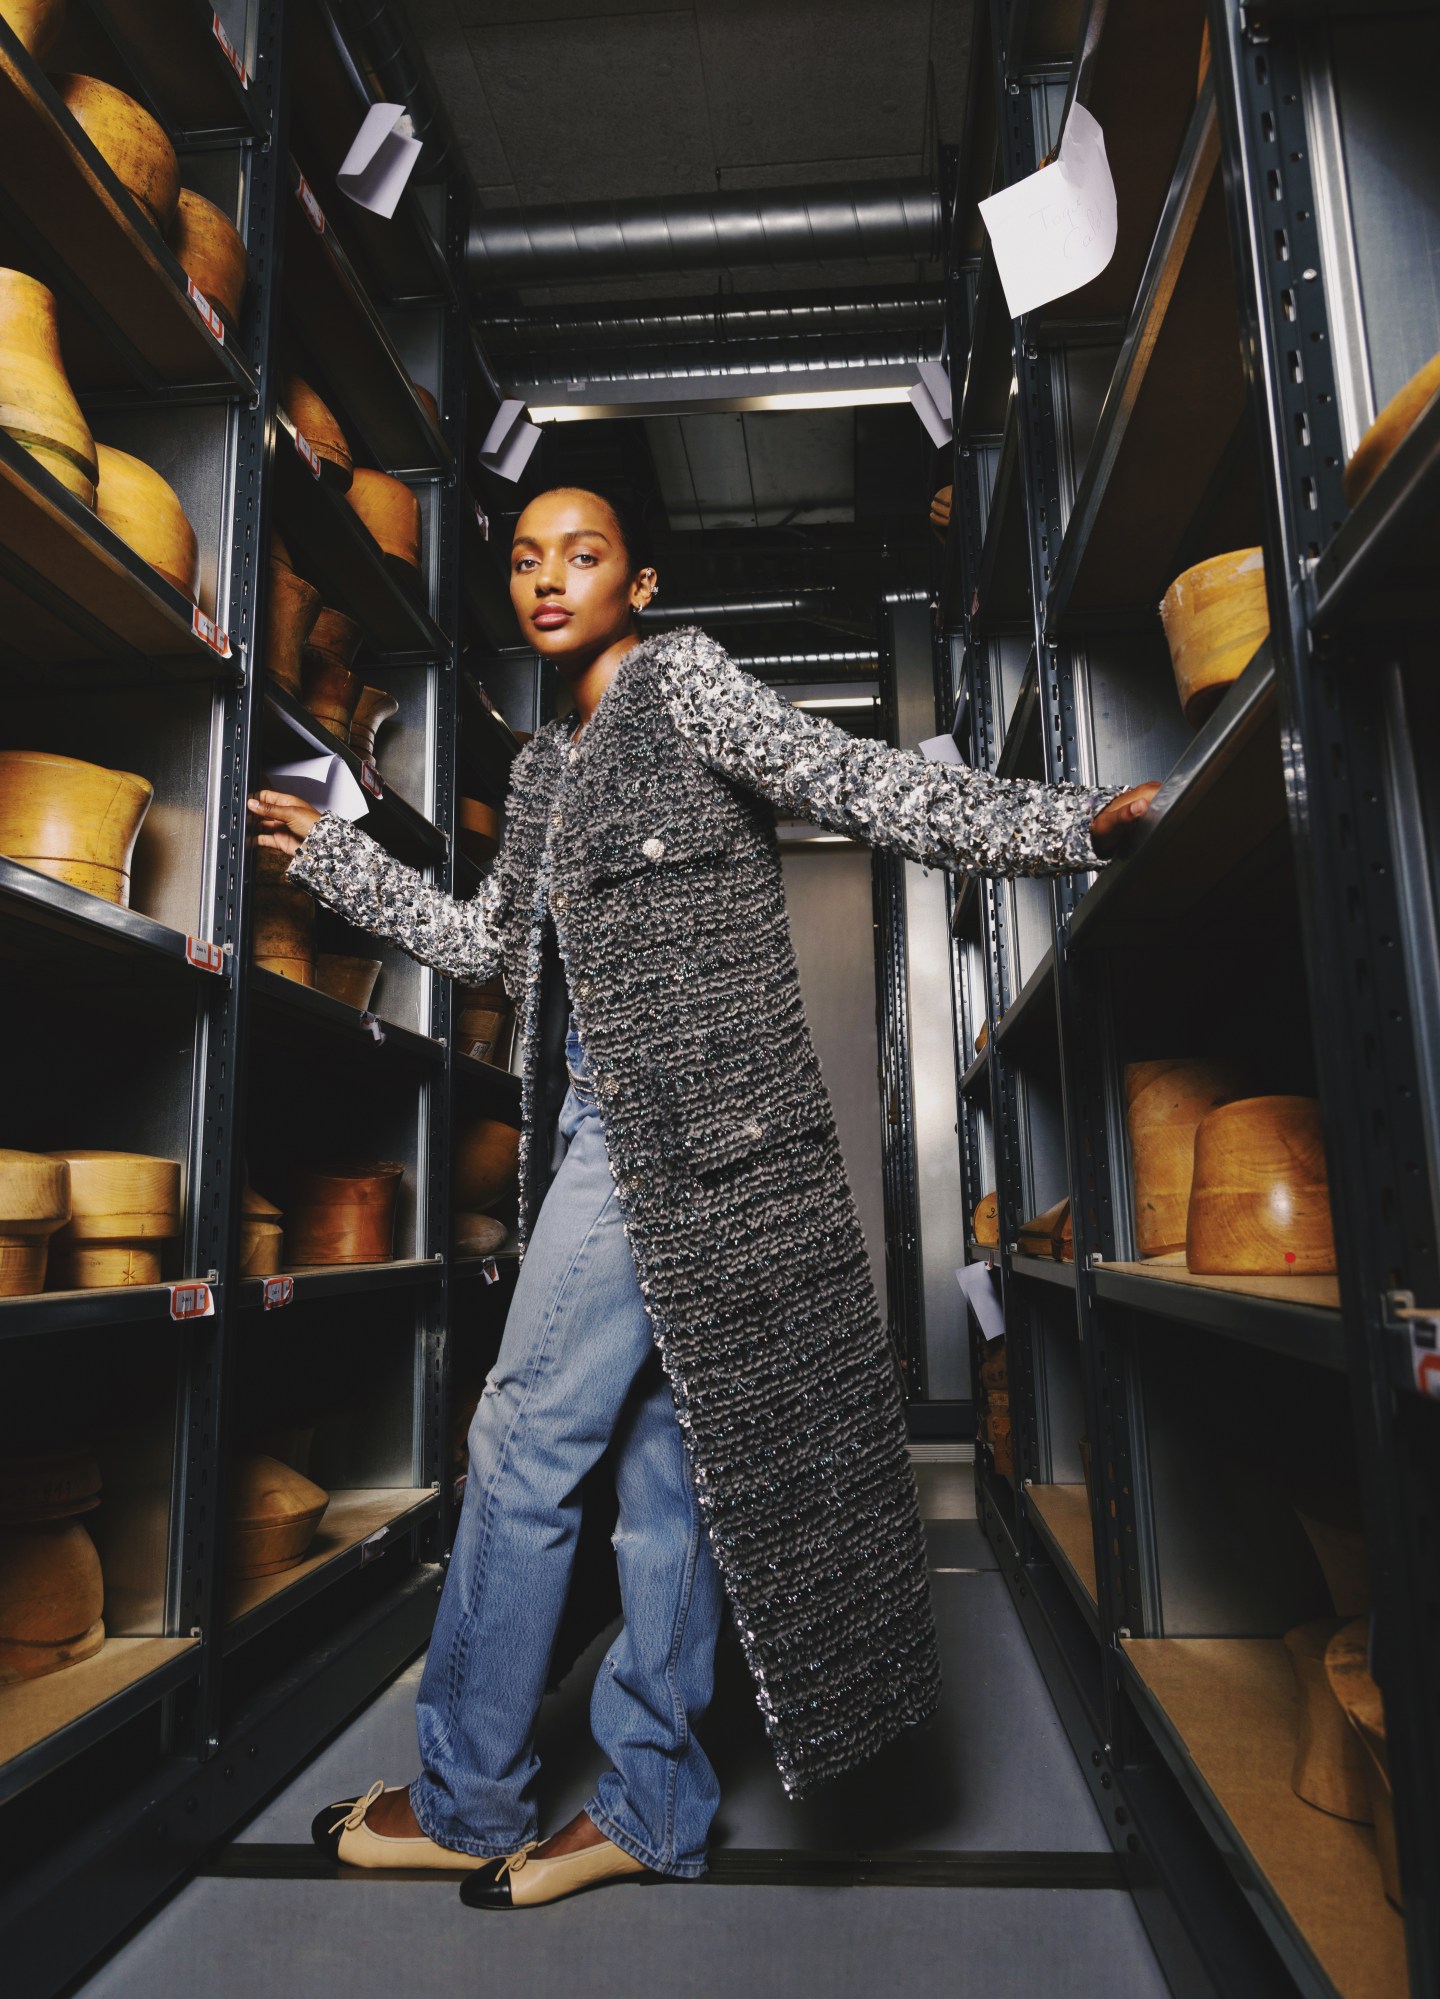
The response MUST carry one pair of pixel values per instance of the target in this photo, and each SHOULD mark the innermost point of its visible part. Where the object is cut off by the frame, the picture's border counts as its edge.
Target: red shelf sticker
(1427, 1375)
(308, 453)
(459, 1490)
(374, 1028)
(206, 311)
(209, 633)
(231, 53)
(192, 1301)
(370, 778)
(204, 955)
(311, 206)
(277, 1291)
(490, 1270)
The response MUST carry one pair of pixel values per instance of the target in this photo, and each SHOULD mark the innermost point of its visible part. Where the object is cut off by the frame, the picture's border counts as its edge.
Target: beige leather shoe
(341, 1832)
(523, 1882)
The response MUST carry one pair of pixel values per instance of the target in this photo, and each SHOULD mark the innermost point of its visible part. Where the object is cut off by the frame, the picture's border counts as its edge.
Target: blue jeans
(577, 1368)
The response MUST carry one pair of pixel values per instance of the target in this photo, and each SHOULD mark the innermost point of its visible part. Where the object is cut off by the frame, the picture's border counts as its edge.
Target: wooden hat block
(391, 512)
(344, 1214)
(75, 822)
(1329, 1769)
(262, 1237)
(1389, 431)
(283, 937)
(123, 1207)
(131, 143)
(317, 425)
(48, 1485)
(1164, 1103)
(1348, 1671)
(1050, 1235)
(34, 1203)
(478, 831)
(330, 688)
(36, 23)
(349, 980)
(51, 1598)
(290, 613)
(211, 252)
(986, 1221)
(483, 1022)
(37, 404)
(374, 708)
(145, 511)
(1215, 618)
(478, 1235)
(274, 1513)
(1259, 1204)
(487, 1158)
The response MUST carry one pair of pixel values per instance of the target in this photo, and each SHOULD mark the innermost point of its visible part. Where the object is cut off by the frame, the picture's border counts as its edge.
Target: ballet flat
(523, 1882)
(340, 1830)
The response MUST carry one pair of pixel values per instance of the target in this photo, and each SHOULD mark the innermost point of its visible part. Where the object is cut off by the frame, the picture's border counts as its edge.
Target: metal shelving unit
(1278, 906)
(147, 1028)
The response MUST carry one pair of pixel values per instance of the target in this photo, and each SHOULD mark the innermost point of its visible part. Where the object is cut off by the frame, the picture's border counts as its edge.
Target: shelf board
(1381, 561)
(372, 390)
(43, 1723)
(1062, 1515)
(967, 906)
(334, 1017)
(75, 1311)
(393, 819)
(498, 742)
(358, 1525)
(1044, 1271)
(72, 593)
(180, 67)
(1221, 800)
(333, 549)
(500, 1083)
(342, 1280)
(32, 898)
(1027, 1006)
(127, 319)
(1022, 731)
(1224, 1713)
(1295, 1316)
(990, 367)
(1003, 586)
(976, 1080)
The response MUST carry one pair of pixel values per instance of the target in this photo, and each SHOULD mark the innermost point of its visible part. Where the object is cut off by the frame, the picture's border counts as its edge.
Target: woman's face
(571, 581)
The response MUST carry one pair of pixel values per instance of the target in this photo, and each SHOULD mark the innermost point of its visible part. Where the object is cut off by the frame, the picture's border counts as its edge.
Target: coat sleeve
(353, 874)
(942, 815)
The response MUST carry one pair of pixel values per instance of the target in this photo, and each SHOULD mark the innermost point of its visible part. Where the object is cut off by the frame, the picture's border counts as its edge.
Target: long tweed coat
(651, 841)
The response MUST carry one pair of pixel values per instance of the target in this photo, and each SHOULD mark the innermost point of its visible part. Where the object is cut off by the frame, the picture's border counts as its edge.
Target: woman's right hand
(278, 820)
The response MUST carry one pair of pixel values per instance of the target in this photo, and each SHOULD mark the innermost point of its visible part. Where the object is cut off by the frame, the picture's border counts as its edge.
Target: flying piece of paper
(321, 781)
(1055, 230)
(983, 1296)
(941, 750)
(381, 159)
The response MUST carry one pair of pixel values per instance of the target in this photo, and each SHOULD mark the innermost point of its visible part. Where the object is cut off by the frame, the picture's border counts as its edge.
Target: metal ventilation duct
(405, 78)
(827, 316)
(814, 606)
(569, 242)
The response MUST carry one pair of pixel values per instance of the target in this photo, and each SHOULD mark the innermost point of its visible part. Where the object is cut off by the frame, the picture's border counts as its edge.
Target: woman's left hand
(1115, 821)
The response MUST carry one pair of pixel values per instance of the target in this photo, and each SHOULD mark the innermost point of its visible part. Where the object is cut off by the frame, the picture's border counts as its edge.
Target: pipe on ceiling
(813, 607)
(568, 242)
(405, 78)
(531, 330)
(816, 363)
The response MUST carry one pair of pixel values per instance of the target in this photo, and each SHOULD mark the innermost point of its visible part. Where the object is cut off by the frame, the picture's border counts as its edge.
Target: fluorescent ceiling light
(839, 701)
(788, 399)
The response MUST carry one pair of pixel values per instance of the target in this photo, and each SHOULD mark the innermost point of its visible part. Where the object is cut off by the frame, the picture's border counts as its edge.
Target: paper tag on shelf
(490, 1270)
(277, 1291)
(204, 954)
(192, 1301)
(374, 1028)
(308, 453)
(206, 311)
(209, 633)
(373, 1545)
(370, 778)
(458, 1492)
(231, 53)
(482, 521)
(311, 206)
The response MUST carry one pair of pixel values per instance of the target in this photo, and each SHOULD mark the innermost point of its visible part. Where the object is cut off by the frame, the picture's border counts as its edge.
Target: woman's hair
(629, 518)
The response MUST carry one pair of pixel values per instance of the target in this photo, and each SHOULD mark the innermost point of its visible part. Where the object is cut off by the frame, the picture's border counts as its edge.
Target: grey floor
(993, 1774)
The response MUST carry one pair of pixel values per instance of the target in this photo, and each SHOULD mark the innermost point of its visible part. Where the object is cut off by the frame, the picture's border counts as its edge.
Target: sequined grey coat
(660, 866)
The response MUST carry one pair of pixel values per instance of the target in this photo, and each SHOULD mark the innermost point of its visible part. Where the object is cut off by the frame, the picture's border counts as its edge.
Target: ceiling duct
(815, 607)
(828, 316)
(569, 242)
(404, 77)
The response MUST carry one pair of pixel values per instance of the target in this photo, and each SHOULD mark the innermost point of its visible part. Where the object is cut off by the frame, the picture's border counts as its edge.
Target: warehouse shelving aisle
(936, 1851)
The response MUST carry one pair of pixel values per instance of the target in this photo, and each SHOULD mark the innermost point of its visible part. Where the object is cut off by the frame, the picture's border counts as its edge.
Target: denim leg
(660, 1793)
(576, 1337)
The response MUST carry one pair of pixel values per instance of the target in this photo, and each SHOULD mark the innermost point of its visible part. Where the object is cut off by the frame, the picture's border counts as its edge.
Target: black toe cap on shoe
(481, 1890)
(327, 1826)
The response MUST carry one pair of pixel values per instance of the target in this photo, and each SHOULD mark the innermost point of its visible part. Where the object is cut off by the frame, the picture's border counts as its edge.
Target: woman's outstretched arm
(943, 815)
(354, 875)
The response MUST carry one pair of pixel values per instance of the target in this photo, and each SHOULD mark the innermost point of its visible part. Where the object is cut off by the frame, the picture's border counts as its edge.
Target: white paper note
(941, 750)
(321, 781)
(1055, 230)
(982, 1294)
(381, 159)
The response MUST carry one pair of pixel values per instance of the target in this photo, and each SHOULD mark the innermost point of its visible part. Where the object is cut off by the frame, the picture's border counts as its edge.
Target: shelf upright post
(1345, 757)
(209, 1362)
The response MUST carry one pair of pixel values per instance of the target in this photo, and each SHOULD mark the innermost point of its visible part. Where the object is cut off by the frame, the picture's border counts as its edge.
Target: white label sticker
(204, 954)
(311, 206)
(209, 633)
(191, 1301)
(232, 54)
(490, 1270)
(370, 778)
(206, 311)
(308, 453)
(277, 1291)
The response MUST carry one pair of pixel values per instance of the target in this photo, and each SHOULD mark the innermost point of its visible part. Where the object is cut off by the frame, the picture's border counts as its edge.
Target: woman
(694, 1294)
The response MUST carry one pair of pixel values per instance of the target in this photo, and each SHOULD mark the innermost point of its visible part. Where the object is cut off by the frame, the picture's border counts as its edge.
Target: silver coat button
(653, 849)
(752, 1128)
(557, 820)
(609, 1085)
(584, 988)
(559, 900)
(574, 753)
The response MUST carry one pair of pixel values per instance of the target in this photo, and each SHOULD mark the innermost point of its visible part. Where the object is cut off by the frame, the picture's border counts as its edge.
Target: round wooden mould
(350, 980)
(262, 1238)
(479, 1235)
(1389, 431)
(1164, 1103)
(1348, 1671)
(343, 1214)
(283, 937)
(130, 142)
(290, 615)
(374, 708)
(316, 423)
(486, 1165)
(986, 1221)
(1259, 1205)
(210, 251)
(123, 1207)
(76, 822)
(37, 23)
(1215, 620)
(145, 511)
(51, 1598)
(330, 688)
(274, 1515)
(37, 404)
(1329, 1770)
(48, 1485)
(391, 512)
(34, 1203)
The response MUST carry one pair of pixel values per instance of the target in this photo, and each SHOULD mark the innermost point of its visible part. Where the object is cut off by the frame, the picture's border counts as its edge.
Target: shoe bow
(352, 1820)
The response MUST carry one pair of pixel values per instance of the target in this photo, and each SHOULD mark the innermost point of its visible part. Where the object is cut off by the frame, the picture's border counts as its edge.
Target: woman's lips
(549, 618)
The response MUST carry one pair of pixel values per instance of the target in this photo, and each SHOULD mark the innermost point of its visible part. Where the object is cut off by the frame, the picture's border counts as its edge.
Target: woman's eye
(584, 555)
